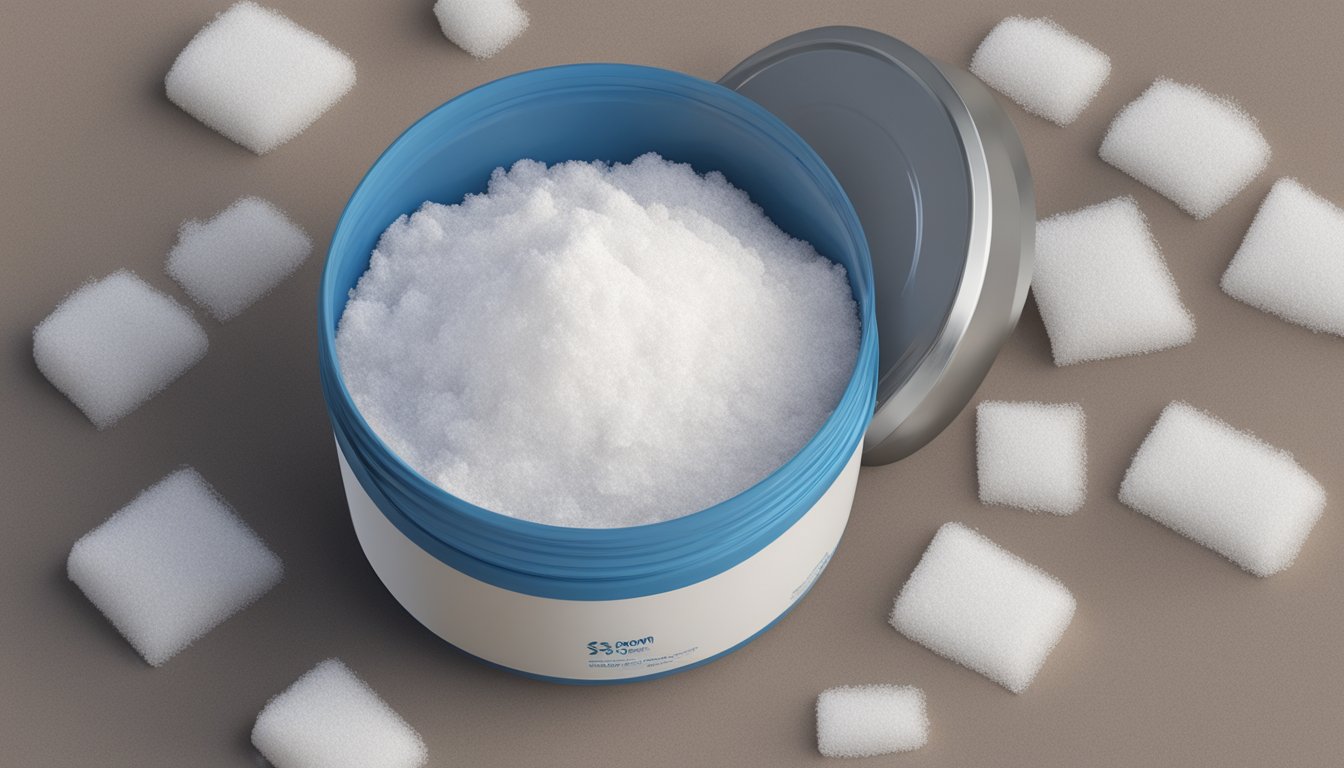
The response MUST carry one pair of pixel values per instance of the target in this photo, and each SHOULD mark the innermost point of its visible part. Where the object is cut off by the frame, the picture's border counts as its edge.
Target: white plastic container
(609, 604)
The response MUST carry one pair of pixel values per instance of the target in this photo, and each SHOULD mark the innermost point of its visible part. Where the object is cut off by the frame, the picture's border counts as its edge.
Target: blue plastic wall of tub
(614, 113)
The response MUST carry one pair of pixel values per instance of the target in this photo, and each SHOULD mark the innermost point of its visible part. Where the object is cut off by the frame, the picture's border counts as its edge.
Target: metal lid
(940, 182)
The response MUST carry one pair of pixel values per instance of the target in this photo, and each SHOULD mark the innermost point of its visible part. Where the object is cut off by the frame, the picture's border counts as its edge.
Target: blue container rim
(601, 563)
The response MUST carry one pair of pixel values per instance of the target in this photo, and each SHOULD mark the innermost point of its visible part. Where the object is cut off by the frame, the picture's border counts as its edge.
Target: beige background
(1175, 657)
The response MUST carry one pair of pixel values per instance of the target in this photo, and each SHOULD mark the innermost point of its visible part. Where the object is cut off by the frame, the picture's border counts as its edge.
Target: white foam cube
(235, 258)
(1226, 489)
(481, 27)
(257, 77)
(1031, 455)
(1197, 149)
(1102, 286)
(329, 718)
(114, 343)
(1291, 262)
(1042, 67)
(868, 720)
(171, 565)
(972, 602)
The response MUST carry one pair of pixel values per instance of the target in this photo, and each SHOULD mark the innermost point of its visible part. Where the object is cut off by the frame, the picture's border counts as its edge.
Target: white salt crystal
(171, 565)
(1042, 67)
(257, 77)
(1198, 149)
(481, 27)
(1226, 489)
(983, 607)
(114, 343)
(230, 261)
(1102, 286)
(1031, 455)
(868, 720)
(329, 718)
(597, 346)
(1291, 262)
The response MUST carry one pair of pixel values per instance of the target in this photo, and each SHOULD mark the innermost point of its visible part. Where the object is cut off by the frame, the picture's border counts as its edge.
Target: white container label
(604, 639)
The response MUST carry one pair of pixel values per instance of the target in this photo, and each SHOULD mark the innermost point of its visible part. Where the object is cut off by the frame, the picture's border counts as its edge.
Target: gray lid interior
(893, 130)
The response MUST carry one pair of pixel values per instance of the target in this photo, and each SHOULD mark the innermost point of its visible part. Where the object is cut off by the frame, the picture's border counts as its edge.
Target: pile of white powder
(597, 346)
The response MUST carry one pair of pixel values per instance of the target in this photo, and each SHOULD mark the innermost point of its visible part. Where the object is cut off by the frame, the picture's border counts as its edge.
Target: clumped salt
(1224, 488)
(230, 261)
(1042, 67)
(481, 27)
(1198, 149)
(972, 602)
(171, 565)
(257, 77)
(597, 346)
(329, 718)
(868, 720)
(1291, 262)
(1102, 286)
(1031, 455)
(114, 343)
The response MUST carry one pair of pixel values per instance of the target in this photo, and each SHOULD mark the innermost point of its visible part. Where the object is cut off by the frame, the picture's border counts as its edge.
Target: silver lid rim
(997, 272)
(989, 301)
